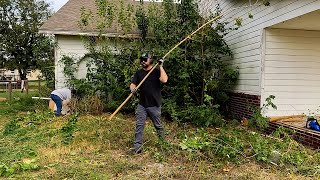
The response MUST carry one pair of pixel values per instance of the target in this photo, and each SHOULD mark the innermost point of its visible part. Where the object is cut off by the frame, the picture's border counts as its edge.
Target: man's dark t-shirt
(150, 92)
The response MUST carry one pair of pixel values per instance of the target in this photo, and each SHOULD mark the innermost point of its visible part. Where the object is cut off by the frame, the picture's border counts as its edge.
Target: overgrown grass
(37, 145)
(21, 102)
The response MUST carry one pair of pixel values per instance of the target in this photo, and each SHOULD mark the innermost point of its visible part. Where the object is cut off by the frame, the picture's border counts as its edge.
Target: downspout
(262, 67)
(56, 62)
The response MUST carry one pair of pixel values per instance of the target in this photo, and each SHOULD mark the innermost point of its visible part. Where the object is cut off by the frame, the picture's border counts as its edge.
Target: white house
(15, 76)
(277, 52)
(64, 24)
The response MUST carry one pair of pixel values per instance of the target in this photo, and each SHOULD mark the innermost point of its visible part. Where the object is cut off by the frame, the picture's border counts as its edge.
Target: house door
(292, 71)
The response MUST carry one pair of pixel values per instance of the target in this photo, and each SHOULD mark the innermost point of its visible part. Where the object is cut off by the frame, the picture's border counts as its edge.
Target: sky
(56, 4)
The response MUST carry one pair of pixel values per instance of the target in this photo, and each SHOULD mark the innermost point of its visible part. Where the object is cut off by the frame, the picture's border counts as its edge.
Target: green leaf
(25, 166)
(9, 171)
(238, 21)
(207, 98)
(266, 3)
(183, 146)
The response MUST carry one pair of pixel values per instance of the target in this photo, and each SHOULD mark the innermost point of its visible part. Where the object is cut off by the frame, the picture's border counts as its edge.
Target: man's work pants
(141, 116)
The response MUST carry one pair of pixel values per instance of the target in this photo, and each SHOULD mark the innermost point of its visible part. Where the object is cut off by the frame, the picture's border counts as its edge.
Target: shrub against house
(198, 76)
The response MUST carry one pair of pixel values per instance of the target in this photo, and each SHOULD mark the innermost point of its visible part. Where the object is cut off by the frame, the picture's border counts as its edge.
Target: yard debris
(275, 157)
(293, 118)
(244, 122)
(227, 169)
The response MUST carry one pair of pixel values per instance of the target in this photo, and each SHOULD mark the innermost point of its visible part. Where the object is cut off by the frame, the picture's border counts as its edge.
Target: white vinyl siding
(292, 71)
(246, 42)
(70, 46)
(73, 46)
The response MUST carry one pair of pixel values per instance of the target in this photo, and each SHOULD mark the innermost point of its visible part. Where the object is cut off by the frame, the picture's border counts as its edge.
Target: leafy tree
(21, 46)
(198, 77)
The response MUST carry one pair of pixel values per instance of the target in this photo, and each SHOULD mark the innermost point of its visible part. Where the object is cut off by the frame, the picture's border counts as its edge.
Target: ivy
(70, 67)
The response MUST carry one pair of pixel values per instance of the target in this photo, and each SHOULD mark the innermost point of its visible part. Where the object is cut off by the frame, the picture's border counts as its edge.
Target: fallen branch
(239, 152)
(279, 118)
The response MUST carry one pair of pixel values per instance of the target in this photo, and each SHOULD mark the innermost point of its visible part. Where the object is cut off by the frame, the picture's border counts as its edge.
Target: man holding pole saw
(148, 70)
(150, 98)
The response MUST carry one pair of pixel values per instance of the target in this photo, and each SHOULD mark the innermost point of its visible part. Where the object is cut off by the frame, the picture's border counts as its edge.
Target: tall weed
(258, 119)
(201, 116)
(89, 104)
(68, 129)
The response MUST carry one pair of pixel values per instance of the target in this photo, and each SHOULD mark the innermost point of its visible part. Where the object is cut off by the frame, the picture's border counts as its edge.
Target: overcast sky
(56, 4)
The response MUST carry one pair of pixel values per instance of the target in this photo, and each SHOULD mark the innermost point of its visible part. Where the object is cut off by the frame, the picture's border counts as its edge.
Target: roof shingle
(66, 20)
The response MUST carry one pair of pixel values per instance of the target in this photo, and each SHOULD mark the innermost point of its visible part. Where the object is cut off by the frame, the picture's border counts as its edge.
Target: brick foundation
(304, 136)
(240, 103)
(238, 107)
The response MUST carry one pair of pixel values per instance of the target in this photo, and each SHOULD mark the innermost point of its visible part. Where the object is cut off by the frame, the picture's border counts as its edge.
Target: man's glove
(160, 62)
(133, 90)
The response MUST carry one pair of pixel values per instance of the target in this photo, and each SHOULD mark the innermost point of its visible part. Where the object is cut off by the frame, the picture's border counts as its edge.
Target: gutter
(78, 33)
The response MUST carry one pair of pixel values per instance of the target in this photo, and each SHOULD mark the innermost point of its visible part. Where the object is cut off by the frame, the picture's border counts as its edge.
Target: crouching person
(61, 97)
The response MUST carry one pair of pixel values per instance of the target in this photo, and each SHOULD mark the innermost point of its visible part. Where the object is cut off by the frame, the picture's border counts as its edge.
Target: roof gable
(66, 20)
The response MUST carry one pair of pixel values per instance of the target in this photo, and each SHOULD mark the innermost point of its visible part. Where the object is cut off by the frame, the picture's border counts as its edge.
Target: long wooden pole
(166, 55)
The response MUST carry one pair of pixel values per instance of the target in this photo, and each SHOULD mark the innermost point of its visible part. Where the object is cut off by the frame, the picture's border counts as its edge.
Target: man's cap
(145, 55)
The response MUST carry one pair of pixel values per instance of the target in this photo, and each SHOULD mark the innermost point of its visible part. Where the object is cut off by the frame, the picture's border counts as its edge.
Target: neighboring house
(278, 53)
(15, 76)
(64, 24)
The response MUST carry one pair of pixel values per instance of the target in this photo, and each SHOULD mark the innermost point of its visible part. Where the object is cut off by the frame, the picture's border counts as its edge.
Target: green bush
(201, 116)
(199, 79)
(198, 141)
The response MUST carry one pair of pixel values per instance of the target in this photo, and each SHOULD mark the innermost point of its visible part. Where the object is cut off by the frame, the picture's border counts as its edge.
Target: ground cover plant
(37, 145)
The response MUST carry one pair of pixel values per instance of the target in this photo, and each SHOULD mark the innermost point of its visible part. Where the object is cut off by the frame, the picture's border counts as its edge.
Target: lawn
(33, 91)
(37, 145)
